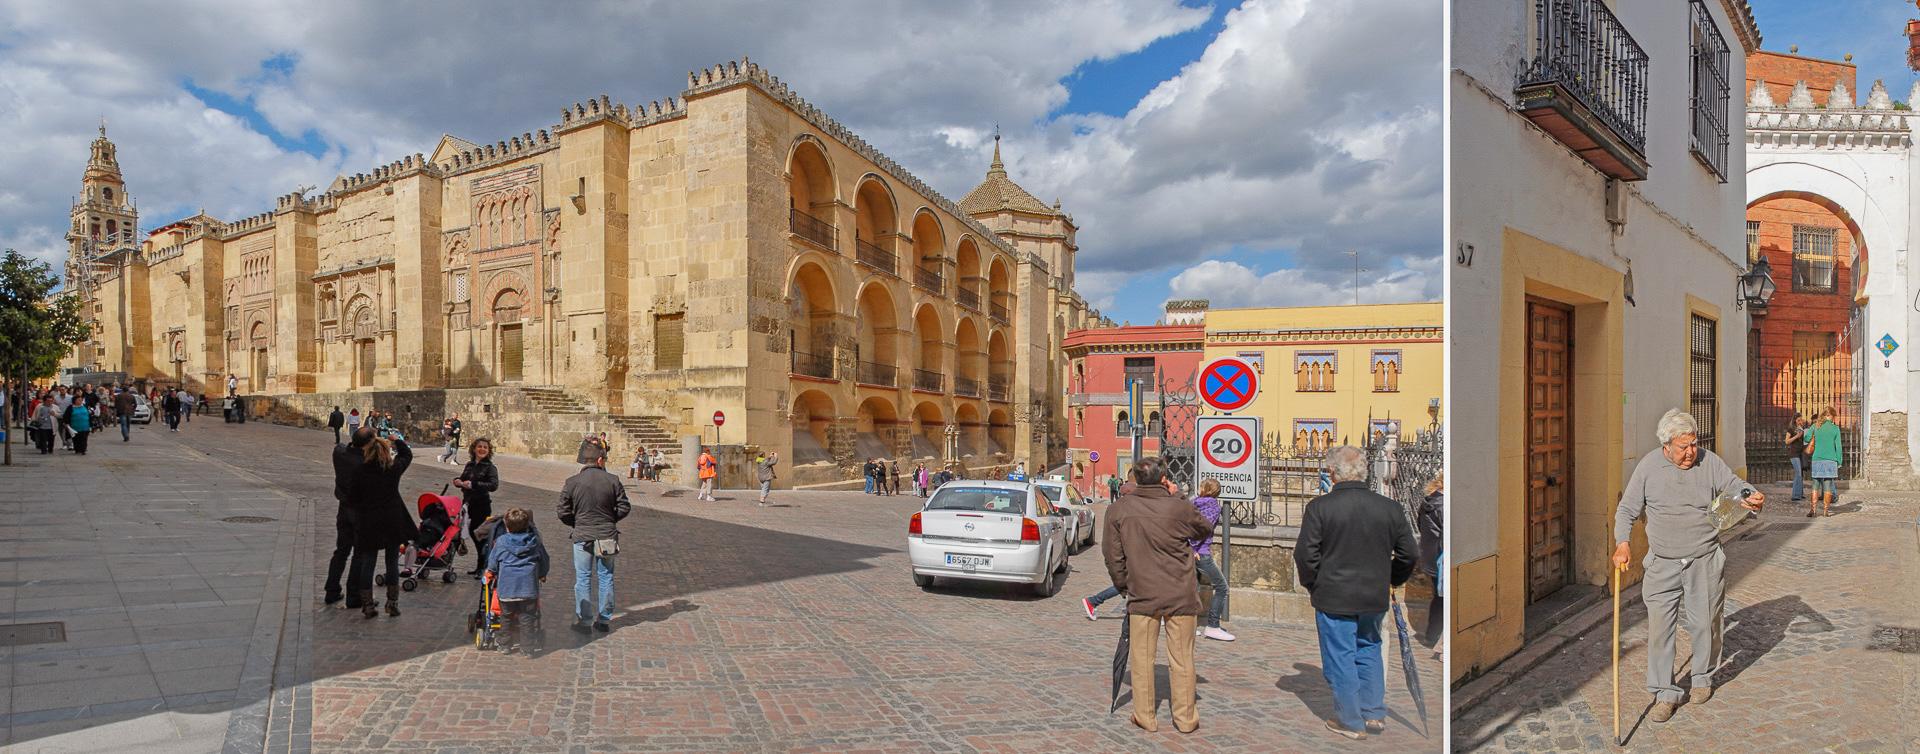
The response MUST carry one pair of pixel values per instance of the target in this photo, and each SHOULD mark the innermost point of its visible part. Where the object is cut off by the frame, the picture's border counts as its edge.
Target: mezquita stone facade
(731, 250)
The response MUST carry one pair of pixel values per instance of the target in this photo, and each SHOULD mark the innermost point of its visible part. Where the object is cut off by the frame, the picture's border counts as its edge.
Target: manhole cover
(1895, 639)
(248, 519)
(32, 633)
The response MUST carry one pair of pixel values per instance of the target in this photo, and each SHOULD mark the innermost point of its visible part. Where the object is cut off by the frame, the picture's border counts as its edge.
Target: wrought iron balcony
(812, 229)
(930, 280)
(872, 373)
(932, 382)
(997, 389)
(998, 312)
(967, 298)
(1587, 85)
(876, 257)
(813, 365)
(966, 387)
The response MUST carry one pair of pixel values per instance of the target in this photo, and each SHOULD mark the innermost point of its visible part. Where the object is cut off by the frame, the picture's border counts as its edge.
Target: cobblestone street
(790, 628)
(1823, 627)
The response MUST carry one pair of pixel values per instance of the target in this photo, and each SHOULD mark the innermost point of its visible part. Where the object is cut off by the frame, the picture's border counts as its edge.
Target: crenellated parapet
(1840, 124)
(252, 224)
(508, 150)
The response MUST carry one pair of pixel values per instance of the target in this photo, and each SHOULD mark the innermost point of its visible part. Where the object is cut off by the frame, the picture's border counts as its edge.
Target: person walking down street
(1433, 538)
(1674, 486)
(1208, 503)
(381, 522)
(592, 503)
(1796, 456)
(63, 400)
(477, 483)
(1824, 449)
(766, 464)
(345, 460)
(1355, 546)
(186, 405)
(518, 562)
(709, 473)
(452, 431)
(42, 422)
(80, 420)
(170, 407)
(1113, 488)
(1145, 545)
(920, 479)
(335, 421)
(893, 467)
(226, 408)
(124, 405)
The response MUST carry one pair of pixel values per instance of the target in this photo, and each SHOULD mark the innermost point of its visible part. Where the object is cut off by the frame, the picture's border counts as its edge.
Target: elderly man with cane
(1675, 485)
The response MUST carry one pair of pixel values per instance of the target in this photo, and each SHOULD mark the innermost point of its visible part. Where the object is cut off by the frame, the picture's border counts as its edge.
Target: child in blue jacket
(517, 562)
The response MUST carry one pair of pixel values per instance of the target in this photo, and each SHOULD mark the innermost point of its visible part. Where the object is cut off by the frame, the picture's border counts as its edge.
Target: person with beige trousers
(1146, 543)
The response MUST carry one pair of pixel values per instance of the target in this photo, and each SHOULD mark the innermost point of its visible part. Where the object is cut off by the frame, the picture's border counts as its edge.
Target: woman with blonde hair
(1824, 446)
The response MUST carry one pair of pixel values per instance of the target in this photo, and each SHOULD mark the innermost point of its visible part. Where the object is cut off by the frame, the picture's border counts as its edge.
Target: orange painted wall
(1791, 311)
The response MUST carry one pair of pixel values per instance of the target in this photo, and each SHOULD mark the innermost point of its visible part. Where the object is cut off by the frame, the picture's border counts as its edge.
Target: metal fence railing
(1776, 388)
(1582, 47)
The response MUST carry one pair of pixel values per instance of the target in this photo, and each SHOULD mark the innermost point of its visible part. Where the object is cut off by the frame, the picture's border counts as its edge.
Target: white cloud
(1231, 285)
(1305, 126)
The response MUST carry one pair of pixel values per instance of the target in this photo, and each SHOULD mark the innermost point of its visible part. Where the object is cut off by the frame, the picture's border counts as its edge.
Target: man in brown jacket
(1146, 547)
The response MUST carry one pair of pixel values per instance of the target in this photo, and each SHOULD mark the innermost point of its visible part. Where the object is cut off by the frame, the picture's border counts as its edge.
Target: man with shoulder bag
(592, 502)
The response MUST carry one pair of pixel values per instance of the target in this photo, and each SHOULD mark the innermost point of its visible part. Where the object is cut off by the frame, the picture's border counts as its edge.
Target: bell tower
(104, 234)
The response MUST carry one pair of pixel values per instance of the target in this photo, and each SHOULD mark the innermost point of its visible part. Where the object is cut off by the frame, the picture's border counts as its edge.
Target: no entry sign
(1228, 384)
(1229, 453)
(719, 419)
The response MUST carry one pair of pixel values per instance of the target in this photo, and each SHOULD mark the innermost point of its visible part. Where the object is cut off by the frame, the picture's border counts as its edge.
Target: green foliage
(36, 330)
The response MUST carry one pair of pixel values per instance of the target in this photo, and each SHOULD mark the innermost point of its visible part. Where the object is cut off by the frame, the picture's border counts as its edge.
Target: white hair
(1347, 464)
(1674, 424)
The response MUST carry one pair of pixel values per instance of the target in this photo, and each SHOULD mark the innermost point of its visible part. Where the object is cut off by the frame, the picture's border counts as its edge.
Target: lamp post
(1756, 287)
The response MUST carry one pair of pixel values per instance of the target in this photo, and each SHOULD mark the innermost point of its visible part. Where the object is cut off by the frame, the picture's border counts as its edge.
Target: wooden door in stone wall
(366, 363)
(1549, 448)
(512, 352)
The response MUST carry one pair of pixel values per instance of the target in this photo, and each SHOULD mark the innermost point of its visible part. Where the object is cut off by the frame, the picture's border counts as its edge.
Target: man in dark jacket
(345, 460)
(1354, 547)
(1145, 541)
(593, 502)
(124, 405)
(335, 421)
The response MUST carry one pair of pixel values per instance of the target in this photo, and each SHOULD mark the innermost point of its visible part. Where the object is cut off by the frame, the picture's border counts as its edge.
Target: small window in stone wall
(459, 288)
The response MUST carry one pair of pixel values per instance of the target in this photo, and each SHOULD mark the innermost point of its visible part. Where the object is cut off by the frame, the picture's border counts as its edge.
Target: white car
(989, 531)
(142, 409)
(1083, 523)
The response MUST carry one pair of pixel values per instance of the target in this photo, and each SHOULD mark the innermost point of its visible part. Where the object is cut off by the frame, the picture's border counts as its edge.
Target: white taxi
(989, 531)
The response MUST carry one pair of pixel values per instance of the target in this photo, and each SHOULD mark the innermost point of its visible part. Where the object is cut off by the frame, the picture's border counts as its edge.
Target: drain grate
(1895, 639)
(248, 519)
(32, 633)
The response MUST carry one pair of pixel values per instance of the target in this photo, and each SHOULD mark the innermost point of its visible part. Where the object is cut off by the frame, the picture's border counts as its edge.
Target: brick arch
(504, 280)
(350, 325)
(1858, 240)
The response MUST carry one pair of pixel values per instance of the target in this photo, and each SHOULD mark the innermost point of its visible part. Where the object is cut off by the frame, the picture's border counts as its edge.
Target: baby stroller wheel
(408, 585)
(447, 577)
(379, 579)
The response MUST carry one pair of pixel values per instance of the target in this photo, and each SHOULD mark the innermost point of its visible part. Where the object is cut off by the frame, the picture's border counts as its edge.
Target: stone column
(592, 172)
(420, 329)
(293, 357)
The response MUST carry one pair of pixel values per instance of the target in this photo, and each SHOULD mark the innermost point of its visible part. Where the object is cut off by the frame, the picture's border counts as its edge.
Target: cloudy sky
(1233, 151)
(1873, 31)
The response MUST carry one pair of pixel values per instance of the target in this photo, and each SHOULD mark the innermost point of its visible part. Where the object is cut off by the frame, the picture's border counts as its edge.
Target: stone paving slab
(1815, 610)
(160, 597)
(789, 628)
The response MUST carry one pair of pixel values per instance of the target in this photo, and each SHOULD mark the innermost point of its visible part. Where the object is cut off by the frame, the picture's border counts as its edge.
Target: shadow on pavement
(1756, 629)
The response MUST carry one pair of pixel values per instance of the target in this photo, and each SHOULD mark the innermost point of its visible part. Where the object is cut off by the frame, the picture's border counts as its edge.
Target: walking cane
(1616, 656)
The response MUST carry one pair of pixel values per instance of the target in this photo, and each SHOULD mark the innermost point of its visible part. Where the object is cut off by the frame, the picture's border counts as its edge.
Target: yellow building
(1334, 375)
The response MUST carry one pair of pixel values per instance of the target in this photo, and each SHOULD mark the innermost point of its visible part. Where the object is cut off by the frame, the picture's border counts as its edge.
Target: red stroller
(443, 518)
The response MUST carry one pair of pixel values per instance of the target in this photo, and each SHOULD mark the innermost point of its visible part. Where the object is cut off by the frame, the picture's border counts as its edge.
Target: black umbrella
(1120, 655)
(1407, 666)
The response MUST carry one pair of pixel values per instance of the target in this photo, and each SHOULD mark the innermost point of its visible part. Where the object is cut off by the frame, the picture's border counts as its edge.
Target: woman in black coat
(381, 522)
(1433, 538)
(477, 482)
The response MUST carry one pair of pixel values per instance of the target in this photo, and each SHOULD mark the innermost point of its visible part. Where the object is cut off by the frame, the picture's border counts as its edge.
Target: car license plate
(968, 562)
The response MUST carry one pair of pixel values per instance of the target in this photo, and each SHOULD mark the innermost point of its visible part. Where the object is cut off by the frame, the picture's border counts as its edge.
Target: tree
(36, 329)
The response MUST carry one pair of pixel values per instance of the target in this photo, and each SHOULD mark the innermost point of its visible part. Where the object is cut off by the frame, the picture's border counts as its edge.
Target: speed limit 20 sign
(1228, 452)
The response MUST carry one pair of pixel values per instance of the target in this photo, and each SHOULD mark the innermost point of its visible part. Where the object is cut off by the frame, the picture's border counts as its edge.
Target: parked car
(1063, 496)
(142, 410)
(983, 530)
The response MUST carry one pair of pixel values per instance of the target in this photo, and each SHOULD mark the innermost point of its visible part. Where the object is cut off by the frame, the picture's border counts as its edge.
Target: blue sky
(1874, 31)
(1229, 150)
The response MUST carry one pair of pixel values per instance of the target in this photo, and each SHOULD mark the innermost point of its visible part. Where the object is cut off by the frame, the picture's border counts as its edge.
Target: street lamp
(1756, 286)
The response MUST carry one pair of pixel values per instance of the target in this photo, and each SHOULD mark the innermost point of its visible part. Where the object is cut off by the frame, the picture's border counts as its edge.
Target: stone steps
(646, 430)
(554, 400)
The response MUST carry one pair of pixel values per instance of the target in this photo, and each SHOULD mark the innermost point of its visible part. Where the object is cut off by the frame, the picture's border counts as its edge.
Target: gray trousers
(1697, 583)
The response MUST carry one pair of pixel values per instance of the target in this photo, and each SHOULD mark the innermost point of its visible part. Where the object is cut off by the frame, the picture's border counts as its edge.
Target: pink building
(1102, 362)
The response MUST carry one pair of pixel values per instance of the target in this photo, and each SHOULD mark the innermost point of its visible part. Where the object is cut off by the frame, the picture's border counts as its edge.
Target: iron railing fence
(966, 387)
(998, 389)
(930, 280)
(998, 312)
(875, 257)
(874, 373)
(967, 298)
(813, 365)
(930, 381)
(812, 228)
(1776, 388)
(1581, 46)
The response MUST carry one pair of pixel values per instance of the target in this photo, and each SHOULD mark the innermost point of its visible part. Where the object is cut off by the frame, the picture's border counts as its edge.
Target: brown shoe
(1335, 726)
(1196, 726)
(1376, 727)
(1150, 727)
(1662, 711)
(1700, 695)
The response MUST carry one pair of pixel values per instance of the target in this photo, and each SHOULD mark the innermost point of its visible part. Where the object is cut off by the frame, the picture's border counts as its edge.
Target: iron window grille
(1709, 101)
(1753, 241)
(1813, 258)
(1581, 46)
(1703, 379)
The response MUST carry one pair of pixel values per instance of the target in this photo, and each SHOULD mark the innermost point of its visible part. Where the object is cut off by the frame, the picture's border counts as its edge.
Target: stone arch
(969, 357)
(810, 176)
(930, 346)
(972, 432)
(812, 314)
(506, 306)
(259, 335)
(875, 211)
(999, 284)
(877, 340)
(999, 363)
(929, 244)
(360, 308)
(999, 431)
(967, 271)
(502, 281)
(813, 415)
(929, 430)
(1857, 234)
(878, 426)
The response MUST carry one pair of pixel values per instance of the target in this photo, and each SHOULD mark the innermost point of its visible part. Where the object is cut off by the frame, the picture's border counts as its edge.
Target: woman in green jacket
(1824, 447)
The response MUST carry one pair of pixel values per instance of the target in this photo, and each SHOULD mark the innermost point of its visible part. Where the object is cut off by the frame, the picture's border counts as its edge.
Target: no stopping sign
(1229, 453)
